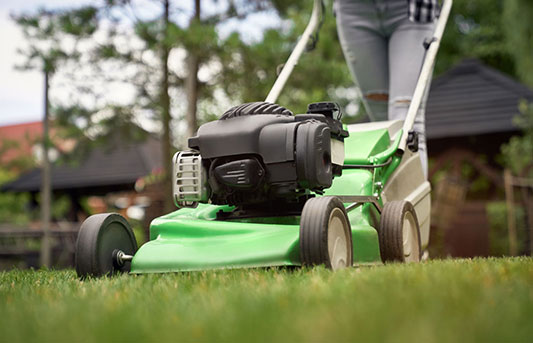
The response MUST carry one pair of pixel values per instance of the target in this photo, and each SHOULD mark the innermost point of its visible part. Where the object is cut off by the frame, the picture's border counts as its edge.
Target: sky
(22, 92)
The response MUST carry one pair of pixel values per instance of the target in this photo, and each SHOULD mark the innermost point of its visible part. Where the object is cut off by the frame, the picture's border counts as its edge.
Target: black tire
(253, 108)
(322, 220)
(101, 236)
(396, 215)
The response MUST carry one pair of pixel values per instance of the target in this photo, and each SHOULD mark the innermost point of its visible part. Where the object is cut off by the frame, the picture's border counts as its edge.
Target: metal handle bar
(296, 53)
(425, 73)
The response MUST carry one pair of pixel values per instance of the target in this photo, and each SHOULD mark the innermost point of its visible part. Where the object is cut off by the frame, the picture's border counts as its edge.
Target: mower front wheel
(105, 246)
(325, 234)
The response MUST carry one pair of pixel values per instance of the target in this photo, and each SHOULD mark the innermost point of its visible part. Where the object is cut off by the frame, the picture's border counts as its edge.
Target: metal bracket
(412, 141)
(358, 200)
(367, 166)
(428, 41)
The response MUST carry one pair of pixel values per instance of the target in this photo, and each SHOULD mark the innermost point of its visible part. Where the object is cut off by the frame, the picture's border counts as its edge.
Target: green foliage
(476, 30)
(499, 33)
(20, 162)
(199, 37)
(138, 231)
(46, 32)
(439, 301)
(518, 152)
(498, 230)
(149, 32)
(53, 39)
(13, 206)
(316, 76)
(60, 207)
(518, 26)
(79, 22)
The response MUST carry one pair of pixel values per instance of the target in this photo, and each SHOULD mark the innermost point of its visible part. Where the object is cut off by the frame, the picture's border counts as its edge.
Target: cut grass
(439, 301)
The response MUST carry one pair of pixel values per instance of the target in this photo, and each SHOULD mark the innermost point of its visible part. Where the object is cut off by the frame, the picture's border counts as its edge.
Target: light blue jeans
(384, 51)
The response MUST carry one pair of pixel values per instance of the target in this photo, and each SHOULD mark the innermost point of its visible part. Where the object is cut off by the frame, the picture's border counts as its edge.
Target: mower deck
(189, 240)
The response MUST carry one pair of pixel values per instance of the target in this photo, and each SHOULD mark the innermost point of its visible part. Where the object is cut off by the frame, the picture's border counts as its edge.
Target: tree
(518, 151)
(475, 30)
(45, 33)
(518, 27)
(518, 19)
(165, 108)
(321, 74)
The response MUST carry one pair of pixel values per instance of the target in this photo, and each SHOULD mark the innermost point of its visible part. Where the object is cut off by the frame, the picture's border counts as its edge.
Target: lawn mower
(262, 187)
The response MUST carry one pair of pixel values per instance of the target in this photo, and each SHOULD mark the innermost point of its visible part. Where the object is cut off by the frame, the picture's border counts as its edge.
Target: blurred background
(96, 96)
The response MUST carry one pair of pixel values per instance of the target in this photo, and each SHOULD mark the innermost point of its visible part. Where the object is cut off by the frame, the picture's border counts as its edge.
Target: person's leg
(365, 50)
(406, 55)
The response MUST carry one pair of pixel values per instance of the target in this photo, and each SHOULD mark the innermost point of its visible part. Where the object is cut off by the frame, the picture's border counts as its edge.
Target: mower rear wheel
(104, 242)
(325, 234)
(399, 234)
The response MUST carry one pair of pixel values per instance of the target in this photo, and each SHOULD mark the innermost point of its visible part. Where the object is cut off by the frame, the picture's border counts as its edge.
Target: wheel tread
(86, 257)
(313, 236)
(390, 232)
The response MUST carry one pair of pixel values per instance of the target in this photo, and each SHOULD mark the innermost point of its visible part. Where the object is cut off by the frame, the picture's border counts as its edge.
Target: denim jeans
(384, 51)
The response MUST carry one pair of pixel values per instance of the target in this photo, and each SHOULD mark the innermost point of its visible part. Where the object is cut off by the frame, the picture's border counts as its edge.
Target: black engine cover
(263, 157)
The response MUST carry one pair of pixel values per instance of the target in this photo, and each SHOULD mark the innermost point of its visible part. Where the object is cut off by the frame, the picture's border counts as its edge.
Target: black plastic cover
(243, 174)
(332, 114)
(412, 141)
(313, 155)
(254, 108)
(235, 136)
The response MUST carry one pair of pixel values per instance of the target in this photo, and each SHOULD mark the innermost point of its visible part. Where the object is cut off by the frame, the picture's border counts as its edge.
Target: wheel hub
(409, 237)
(337, 242)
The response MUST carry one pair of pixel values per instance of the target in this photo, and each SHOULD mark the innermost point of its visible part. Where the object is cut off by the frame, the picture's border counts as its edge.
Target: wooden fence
(20, 246)
(524, 186)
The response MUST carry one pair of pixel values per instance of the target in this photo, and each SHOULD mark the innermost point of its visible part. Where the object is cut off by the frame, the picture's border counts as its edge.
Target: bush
(498, 230)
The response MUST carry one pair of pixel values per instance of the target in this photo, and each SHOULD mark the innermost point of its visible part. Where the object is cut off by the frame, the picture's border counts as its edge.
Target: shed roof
(113, 169)
(473, 99)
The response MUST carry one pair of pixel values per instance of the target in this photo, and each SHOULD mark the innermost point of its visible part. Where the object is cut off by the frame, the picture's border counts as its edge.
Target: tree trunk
(192, 82)
(45, 185)
(166, 144)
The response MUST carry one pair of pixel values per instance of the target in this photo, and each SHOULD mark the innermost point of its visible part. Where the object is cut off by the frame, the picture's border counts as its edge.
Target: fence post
(509, 199)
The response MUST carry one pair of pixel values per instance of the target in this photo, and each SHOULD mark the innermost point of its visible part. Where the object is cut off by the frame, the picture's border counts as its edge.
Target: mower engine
(261, 153)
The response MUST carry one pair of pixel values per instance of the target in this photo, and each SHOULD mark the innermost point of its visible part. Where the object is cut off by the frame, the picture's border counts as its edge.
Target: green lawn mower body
(193, 238)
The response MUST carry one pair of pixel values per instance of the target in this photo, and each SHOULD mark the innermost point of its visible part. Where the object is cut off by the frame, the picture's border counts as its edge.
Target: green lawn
(438, 301)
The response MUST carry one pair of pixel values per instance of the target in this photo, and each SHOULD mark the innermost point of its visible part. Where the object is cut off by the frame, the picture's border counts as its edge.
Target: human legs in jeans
(385, 52)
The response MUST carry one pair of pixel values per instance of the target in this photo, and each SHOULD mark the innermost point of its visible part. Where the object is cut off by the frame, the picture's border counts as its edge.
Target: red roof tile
(25, 135)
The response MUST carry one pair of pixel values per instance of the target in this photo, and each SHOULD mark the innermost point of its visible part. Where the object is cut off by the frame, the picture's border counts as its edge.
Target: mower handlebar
(426, 72)
(296, 53)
